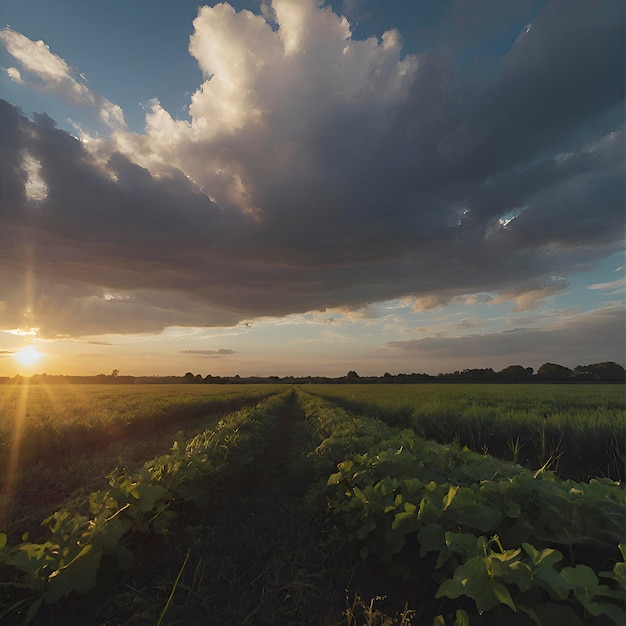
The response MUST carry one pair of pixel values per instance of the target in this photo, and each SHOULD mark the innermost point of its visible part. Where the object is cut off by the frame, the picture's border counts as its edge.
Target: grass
(264, 547)
(578, 430)
(59, 440)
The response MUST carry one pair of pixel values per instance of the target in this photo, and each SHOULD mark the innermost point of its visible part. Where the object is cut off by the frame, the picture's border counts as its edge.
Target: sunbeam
(7, 494)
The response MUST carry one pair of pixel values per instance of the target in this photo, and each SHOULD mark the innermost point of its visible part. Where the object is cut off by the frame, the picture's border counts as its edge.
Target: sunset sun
(28, 355)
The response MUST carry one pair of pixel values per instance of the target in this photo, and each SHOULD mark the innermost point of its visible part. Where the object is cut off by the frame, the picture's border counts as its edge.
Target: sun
(28, 355)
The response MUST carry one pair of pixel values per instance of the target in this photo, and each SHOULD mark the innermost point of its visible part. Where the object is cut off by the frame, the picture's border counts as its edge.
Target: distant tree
(516, 372)
(553, 371)
(608, 371)
(115, 373)
(352, 375)
(477, 374)
(189, 378)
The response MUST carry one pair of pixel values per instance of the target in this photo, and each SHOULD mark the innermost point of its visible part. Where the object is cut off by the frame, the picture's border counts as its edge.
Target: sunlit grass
(55, 438)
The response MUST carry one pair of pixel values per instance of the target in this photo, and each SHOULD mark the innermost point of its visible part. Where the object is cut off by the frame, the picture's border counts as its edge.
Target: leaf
(503, 595)
(461, 619)
(619, 570)
(461, 543)
(447, 501)
(125, 557)
(615, 613)
(580, 577)
(557, 615)
(546, 557)
(360, 495)
(431, 538)
(3, 540)
(513, 510)
(402, 517)
(33, 609)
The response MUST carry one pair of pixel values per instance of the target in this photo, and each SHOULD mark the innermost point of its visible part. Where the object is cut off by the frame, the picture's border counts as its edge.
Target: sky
(297, 187)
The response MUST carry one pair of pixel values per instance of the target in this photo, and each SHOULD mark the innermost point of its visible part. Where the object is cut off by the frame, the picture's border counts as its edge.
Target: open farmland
(295, 509)
(55, 439)
(579, 431)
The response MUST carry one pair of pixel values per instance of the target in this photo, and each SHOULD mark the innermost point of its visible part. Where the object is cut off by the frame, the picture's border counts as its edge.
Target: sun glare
(28, 355)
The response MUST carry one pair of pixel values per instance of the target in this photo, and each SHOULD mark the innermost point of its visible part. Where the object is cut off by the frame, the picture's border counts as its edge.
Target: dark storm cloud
(340, 173)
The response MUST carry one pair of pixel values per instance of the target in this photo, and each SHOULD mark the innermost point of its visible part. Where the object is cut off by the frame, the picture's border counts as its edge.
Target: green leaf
(557, 615)
(125, 557)
(461, 618)
(546, 558)
(431, 538)
(461, 543)
(580, 577)
(396, 540)
(513, 510)
(3, 540)
(615, 613)
(33, 609)
(619, 570)
(360, 495)
(503, 595)
(399, 518)
(447, 501)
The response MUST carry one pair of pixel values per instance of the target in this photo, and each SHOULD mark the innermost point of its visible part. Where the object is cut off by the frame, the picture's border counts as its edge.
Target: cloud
(319, 172)
(598, 335)
(53, 73)
(528, 298)
(14, 74)
(209, 353)
(612, 288)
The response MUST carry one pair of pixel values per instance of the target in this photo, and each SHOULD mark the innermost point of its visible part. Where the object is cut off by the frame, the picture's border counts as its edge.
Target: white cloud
(14, 74)
(612, 288)
(54, 74)
(266, 96)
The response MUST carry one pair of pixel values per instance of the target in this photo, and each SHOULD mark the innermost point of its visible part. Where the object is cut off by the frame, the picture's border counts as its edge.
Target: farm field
(318, 505)
(55, 439)
(579, 431)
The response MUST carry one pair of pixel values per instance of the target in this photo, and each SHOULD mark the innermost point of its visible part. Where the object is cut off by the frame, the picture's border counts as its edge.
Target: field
(577, 430)
(347, 504)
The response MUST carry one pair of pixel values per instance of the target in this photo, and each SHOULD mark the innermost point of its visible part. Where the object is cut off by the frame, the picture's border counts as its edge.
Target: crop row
(134, 505)
(522, 547)
(470, 537)
(579, 431)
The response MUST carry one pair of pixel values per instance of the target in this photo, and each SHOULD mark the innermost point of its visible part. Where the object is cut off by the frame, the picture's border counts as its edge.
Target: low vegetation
(579, 431)
(330, 508)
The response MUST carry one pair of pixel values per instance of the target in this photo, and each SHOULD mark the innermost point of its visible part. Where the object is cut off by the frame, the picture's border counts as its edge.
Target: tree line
(605, 372)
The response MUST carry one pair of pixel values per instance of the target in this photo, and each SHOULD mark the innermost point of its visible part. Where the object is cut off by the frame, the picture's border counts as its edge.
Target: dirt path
(258, 555)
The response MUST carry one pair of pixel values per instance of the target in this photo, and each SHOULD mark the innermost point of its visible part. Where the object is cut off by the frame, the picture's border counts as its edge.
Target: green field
(317, 505)
(578, 430)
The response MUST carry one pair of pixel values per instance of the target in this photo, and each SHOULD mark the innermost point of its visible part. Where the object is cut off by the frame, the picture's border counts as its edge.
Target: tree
(608, 371)
(553, 371)
(516, 372)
